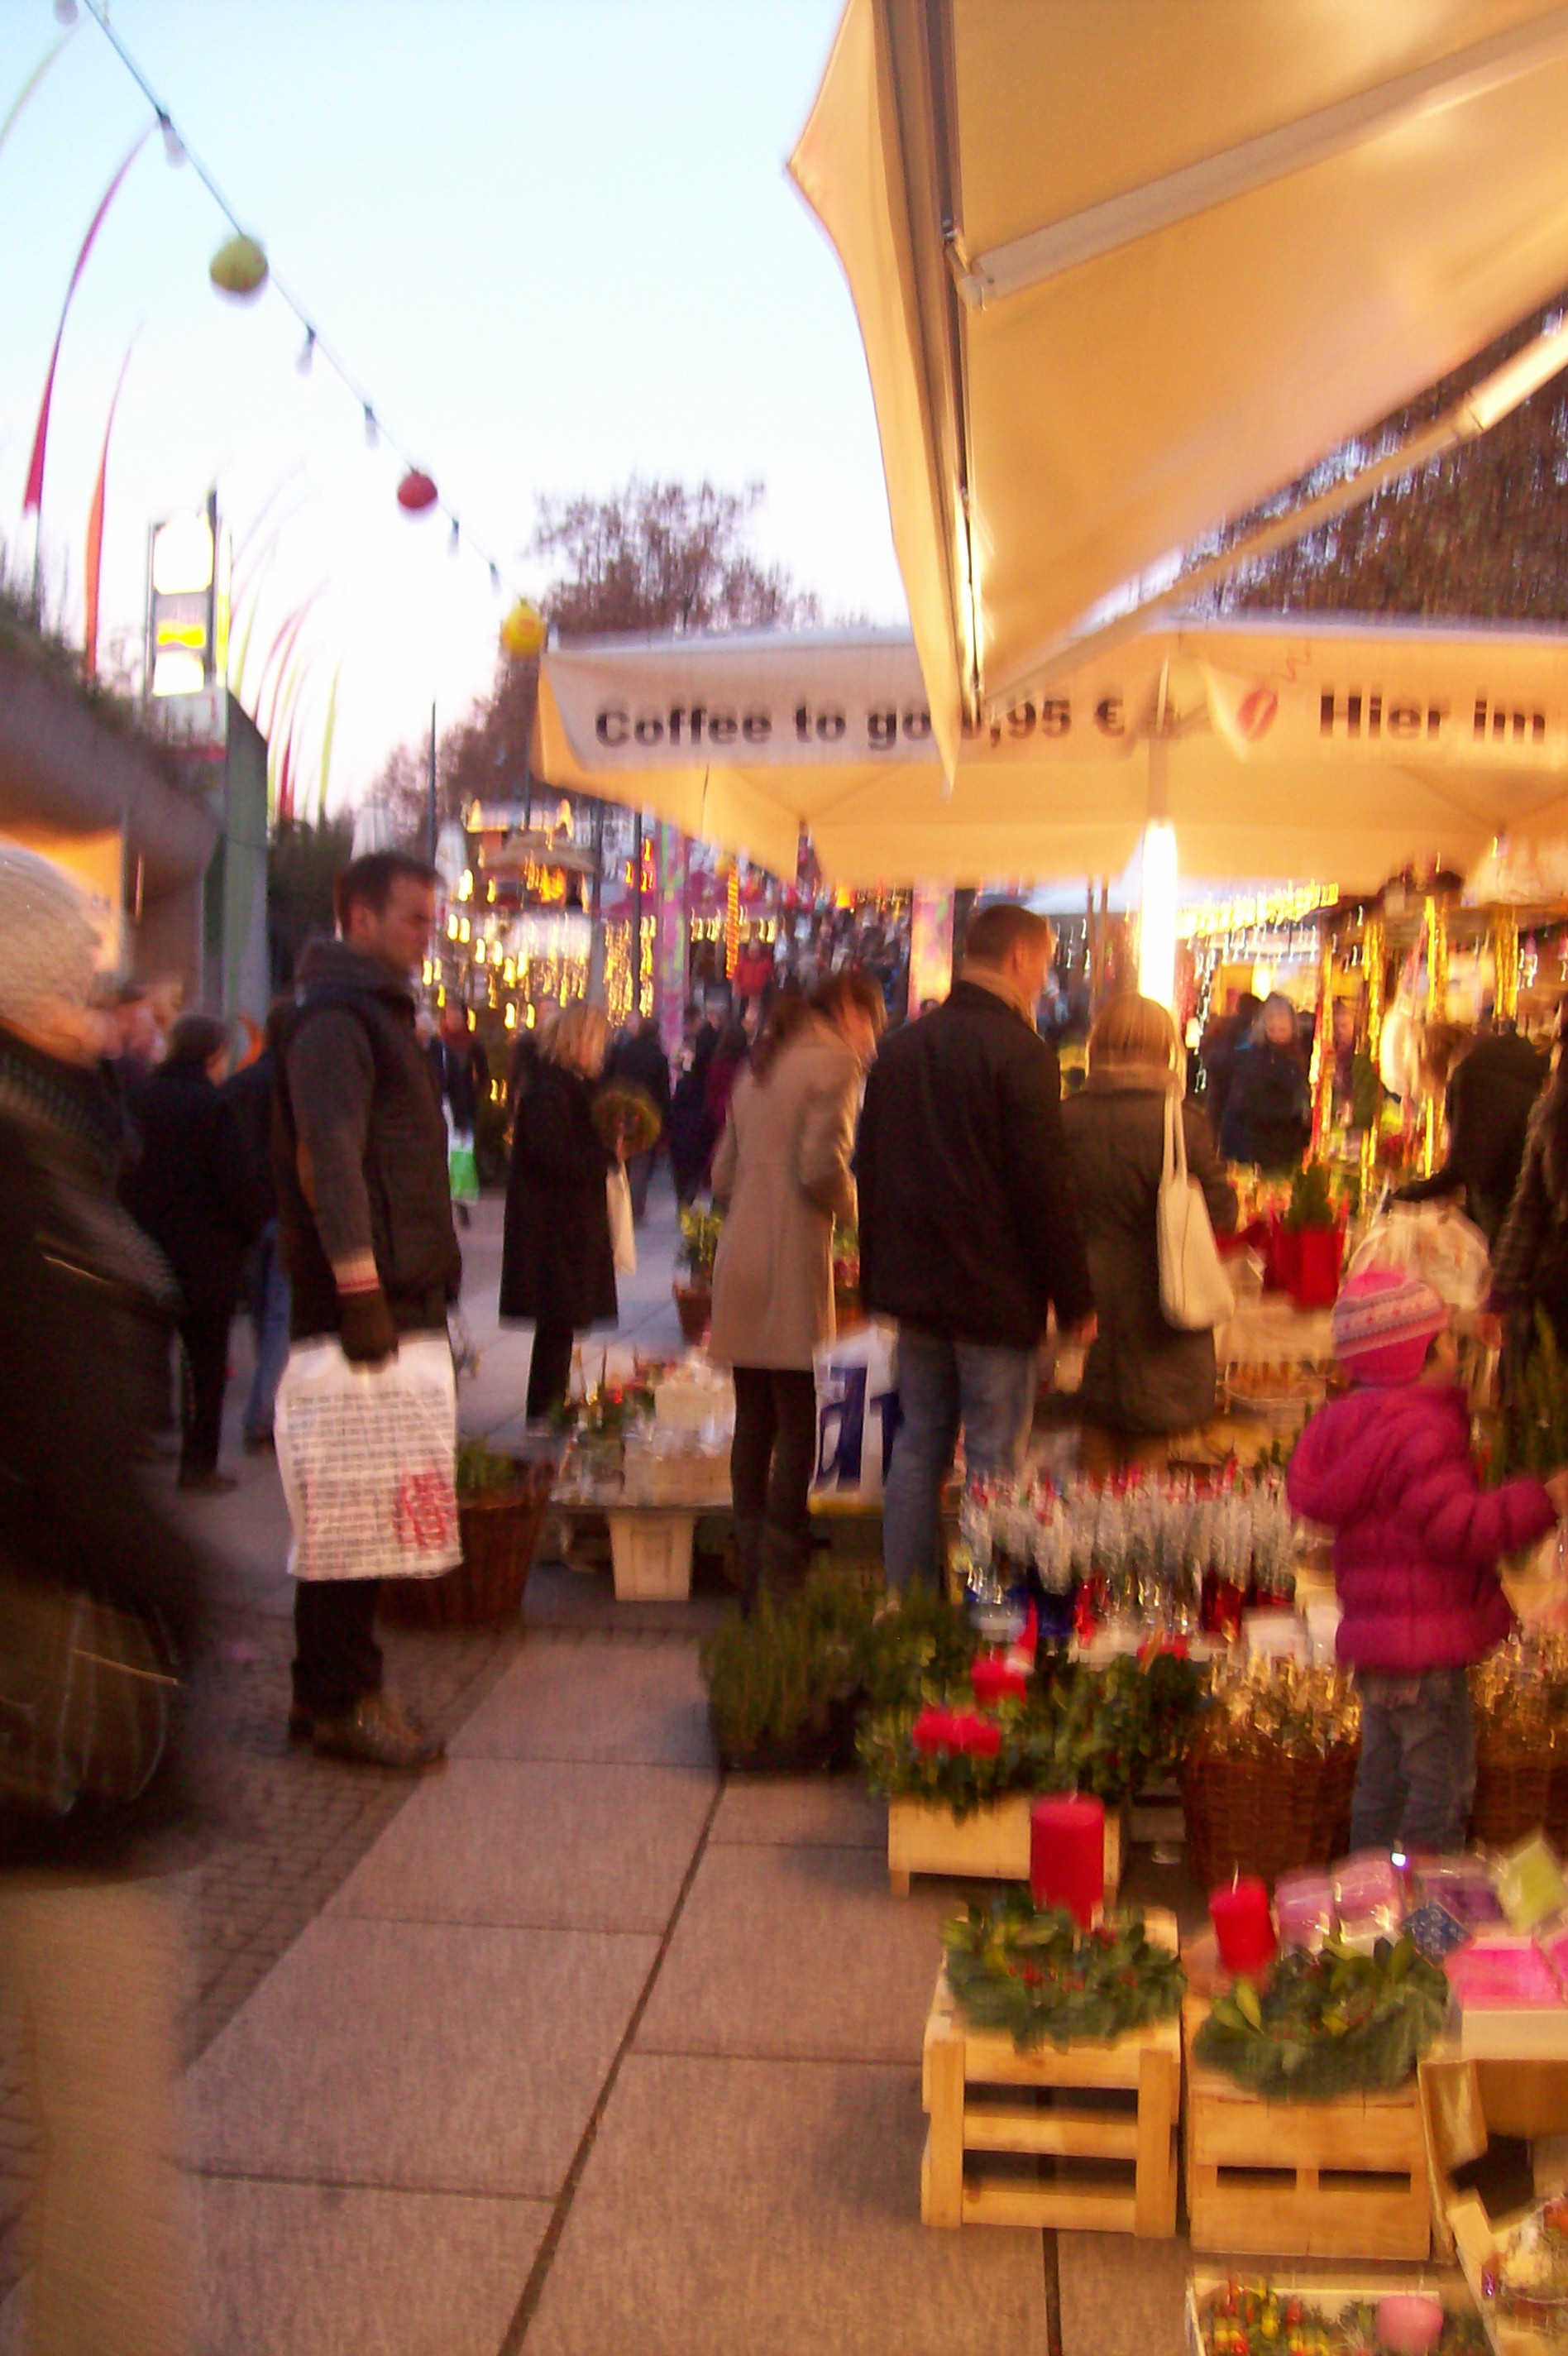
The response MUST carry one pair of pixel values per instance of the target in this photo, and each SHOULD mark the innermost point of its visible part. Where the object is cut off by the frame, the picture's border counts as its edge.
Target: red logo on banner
(425, 1517)
(1255, 711)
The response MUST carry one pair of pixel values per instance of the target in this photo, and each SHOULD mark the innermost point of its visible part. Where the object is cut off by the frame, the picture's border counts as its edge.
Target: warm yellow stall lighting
(1157, 930)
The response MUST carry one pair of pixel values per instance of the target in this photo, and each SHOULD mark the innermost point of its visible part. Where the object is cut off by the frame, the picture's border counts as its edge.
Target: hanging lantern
(524, 631)
(239, 268)
(416, 492)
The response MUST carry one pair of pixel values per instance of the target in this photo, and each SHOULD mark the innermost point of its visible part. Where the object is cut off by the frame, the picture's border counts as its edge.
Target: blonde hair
(1132, 1029)
(578, 1038)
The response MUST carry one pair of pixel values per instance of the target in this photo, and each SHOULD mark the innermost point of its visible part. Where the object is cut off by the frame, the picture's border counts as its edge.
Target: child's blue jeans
(1417, 1777)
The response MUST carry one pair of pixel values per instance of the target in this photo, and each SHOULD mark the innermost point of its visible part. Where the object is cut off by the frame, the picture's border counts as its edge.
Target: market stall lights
(173, 145)
(1156, 931)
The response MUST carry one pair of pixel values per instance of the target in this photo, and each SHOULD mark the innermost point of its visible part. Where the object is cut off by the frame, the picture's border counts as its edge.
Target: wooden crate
(1327, 2287)
(984, 2097)
(991, 1845)
(1340, 2179)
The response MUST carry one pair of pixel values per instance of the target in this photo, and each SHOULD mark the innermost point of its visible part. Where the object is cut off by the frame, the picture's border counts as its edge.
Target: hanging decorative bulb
(416, 492)
(307, 352)
(524, 631)
(452, 544)
(173, 145)
(65, 12)
(239, 268)
(496, 579)
(372, 431)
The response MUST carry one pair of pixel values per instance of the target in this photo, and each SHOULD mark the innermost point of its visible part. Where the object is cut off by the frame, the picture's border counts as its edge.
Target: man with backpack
(366, 1233)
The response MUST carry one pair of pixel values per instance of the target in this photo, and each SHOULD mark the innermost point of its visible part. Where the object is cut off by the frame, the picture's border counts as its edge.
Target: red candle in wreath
(1244, 1927)
(1067, 1855)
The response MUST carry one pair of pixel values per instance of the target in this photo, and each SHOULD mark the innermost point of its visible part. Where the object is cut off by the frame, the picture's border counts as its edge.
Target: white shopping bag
(856, 1414)
(1435, 1242)
(366, 1456)
(623, 1231)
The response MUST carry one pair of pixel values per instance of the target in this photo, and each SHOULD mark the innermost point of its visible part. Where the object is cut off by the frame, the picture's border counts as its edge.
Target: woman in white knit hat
(87, 1944)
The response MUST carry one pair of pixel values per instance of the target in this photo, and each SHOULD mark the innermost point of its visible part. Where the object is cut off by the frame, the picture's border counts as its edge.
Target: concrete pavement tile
(1119, 2296)
(799, 1811)
(632, 1704)
(774, 2208)
(538, 1842)
(326, 2270)
(430, 2057)
(783, 1952)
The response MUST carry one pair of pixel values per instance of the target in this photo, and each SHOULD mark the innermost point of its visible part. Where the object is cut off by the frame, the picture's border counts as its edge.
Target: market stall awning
(1122, 272)
(1277, 749)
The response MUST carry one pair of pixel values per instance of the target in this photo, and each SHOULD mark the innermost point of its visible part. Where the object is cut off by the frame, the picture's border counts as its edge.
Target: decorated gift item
(1529, 1884)
(1039, 1975)
(1244, 1927)
(1334, 2023)
(1528, 2279)
(1303, 1909)
(1067, 1855)
(1255, 2319)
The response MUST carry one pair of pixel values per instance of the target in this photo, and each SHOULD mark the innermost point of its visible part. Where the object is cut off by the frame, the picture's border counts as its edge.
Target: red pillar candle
(1242, 1927)
(995, 1679)
(1067, 1855)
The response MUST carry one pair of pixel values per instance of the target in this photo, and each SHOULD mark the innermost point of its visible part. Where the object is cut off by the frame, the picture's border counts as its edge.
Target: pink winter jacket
(1417, 1539)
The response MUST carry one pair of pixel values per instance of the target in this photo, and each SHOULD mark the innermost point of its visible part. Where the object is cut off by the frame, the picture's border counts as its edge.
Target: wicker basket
(500, 1531)
(1267, 1816)
(1514, 1789)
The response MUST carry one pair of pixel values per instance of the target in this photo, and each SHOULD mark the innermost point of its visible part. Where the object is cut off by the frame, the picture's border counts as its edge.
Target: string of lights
(423, 493)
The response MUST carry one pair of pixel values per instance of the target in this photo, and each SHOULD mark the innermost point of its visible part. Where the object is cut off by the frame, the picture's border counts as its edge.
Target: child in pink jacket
(1416, 1547)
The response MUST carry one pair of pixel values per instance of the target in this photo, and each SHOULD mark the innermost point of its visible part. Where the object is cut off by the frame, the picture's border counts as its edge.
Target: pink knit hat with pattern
(1382, 1323)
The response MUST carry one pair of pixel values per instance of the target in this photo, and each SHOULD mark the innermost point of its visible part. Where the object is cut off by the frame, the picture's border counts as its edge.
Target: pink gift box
(1497, 1975)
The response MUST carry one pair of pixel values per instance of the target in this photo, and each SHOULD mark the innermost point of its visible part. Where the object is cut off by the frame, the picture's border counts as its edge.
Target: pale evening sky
(552, 238)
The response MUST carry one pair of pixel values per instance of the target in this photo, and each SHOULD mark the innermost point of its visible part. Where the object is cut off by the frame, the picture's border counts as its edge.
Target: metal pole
(430, 850)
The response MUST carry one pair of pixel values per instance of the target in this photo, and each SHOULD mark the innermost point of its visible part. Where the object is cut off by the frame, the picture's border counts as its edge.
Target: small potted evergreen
(1309, 1243)
(699, 1231)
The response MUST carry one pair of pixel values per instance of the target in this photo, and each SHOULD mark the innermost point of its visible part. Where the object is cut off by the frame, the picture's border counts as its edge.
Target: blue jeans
(268, 1304)
(944, 1384)
(1416, 1780)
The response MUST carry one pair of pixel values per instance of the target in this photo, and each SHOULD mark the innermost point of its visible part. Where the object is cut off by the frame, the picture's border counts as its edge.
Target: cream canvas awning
(1122, 272)
(1278, 749)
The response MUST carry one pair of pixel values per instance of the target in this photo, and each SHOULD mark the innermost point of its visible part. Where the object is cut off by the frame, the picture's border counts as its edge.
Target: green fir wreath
(1038, 1977)
(1335, 2023)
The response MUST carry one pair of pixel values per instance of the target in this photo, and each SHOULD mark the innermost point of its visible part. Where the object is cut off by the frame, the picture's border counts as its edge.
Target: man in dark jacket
(194, 1191)
(969, 1227)
(1490, 1094)
(364, 1222)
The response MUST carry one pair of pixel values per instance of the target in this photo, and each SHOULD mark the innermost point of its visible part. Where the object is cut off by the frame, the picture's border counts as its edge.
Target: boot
(785, 1559)
(376, 1731)
(748, 1560)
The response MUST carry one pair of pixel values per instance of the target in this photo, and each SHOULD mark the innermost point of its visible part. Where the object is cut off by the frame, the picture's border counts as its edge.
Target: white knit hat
(48, 939)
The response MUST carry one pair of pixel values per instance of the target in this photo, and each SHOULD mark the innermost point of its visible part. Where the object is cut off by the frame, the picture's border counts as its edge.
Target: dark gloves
(368, 1333)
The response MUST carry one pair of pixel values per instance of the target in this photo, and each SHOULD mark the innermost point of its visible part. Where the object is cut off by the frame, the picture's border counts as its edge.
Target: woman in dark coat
(196, 1194)
(1142, 1376)
(1267, 1119)
(558, 1266)
(88, 1942)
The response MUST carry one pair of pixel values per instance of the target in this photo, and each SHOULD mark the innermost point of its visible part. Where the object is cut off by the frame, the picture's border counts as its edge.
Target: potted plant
(502, 1496)
(848, 1311)
(699, 1232)
(784, 1682)
(1309, 1244)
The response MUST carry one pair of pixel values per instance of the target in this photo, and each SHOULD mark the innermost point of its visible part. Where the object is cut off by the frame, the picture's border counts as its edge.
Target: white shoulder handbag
(1194, 1291)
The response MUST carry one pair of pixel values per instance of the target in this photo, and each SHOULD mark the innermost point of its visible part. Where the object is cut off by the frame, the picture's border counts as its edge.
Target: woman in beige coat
(783, 1171)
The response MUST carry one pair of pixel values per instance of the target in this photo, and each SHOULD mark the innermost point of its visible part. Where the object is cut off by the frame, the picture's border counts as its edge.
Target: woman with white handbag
(1152, 1194)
